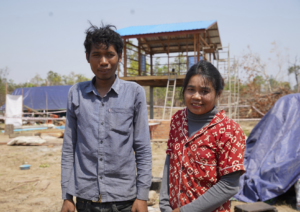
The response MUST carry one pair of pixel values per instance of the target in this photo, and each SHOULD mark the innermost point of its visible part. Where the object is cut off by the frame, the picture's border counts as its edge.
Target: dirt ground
(38, 189)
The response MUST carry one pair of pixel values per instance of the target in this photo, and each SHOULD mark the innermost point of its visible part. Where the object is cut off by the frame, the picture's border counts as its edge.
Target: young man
(106, 155)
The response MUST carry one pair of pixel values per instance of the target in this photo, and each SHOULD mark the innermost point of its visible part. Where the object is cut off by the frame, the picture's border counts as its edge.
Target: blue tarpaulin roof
(161, 28)
(272, 156)
(37, 97)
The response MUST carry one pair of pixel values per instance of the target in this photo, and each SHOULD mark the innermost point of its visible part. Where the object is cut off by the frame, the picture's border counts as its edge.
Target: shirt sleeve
(216, 195)
(164, 196)
(141, 145)
(170, 140)
(231, 149)
(68, 148)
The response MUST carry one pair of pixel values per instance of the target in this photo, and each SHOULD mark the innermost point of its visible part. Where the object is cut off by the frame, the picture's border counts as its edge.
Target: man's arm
(142, 148)
(67, 159)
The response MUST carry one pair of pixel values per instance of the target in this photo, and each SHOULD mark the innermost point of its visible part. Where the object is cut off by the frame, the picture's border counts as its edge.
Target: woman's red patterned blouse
(197, 163)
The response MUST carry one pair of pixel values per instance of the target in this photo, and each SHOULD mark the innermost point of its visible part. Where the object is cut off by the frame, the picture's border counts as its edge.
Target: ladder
(170, 93)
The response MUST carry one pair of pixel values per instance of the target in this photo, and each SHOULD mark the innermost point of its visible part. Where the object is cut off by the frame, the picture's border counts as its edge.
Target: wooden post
(187, 56)
(118, 70)
(5, 100)
(195, 49)
(151, 64)
(139, 55)
(125, 58)
(151, 102)
(22, 104)
(198, 48)
(168, 55)
(47, 110)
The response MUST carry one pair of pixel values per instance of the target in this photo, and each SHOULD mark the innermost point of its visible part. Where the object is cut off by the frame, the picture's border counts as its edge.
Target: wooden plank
(125, 58)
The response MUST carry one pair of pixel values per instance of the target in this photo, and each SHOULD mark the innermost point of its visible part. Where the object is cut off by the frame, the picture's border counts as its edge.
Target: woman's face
(200, 96)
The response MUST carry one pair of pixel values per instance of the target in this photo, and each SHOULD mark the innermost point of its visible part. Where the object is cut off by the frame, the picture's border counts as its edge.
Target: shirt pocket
(205, 164)
(120, 120)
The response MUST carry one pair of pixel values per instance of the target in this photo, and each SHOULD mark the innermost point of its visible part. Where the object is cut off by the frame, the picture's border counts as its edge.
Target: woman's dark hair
(104, 35)
(208, 71)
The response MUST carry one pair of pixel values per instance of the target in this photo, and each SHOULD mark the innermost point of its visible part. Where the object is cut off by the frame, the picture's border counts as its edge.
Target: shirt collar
(115, 86)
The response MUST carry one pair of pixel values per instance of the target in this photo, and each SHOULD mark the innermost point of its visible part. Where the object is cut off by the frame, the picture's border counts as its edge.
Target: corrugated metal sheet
(161, 28)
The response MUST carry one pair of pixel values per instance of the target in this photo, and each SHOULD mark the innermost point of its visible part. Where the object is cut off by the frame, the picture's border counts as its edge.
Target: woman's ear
(218, 95)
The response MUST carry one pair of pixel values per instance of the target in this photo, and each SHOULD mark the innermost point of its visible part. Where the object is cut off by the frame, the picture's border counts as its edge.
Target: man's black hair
(210, 74)
(103, 35)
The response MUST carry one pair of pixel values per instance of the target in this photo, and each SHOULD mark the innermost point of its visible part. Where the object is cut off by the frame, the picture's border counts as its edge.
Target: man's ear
(120, 57)
(87, 57)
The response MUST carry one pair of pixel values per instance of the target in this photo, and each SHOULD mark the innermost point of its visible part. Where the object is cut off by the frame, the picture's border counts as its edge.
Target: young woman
(205, 148)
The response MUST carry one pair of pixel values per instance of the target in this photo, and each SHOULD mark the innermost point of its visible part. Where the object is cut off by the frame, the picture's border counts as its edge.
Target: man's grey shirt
(106, 148)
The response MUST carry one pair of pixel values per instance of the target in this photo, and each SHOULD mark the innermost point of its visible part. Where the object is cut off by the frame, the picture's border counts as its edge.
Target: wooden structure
(193, 40)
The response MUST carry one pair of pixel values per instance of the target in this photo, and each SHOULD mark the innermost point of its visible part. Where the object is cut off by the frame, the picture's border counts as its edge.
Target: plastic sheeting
(44, 98)
(272, 156)
(14, 110)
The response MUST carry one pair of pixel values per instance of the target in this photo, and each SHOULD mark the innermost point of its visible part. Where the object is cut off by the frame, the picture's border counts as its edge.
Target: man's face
(104, 62)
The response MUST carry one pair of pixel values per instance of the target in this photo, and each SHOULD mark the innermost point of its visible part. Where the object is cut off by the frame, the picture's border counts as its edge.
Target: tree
(295, 69)
(53, 78)
(37, 80)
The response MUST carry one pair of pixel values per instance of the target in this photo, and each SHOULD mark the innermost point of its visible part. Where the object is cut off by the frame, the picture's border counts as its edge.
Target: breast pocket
(120, 120)
(205, 164)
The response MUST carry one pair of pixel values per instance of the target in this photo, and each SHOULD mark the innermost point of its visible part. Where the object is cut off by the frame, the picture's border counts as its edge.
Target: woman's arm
(216, 195)
(164, 198)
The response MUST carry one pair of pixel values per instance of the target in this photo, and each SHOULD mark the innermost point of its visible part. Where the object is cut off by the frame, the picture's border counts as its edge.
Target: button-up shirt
(106, 148)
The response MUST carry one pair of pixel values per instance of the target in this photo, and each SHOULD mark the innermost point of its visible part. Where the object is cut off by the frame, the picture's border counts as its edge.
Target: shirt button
(102, 104)
(100, 178)
(180, 191)
(182, 167)
(101, 142)
(100, 159)
(101, 123)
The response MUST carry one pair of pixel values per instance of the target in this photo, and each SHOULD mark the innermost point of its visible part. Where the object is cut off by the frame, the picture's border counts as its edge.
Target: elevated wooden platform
(154, 81)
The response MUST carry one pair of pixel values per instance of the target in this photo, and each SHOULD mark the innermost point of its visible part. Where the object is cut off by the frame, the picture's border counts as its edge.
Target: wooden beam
(162, 44)
(142, 46)
(145, 42)
(203, 41)
(125, 58)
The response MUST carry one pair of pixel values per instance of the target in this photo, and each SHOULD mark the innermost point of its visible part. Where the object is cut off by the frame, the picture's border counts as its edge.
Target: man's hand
(68, 206)
(176, 210)
(139, 206)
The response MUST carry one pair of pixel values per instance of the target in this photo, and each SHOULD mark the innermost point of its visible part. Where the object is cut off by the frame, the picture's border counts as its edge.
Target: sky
(38, 36)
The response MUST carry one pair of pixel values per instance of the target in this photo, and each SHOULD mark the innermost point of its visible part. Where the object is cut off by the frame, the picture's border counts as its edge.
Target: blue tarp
(37, 97)
(272, 156)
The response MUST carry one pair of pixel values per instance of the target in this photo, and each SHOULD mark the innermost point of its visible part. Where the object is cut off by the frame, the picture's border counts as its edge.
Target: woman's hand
(176, 210)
